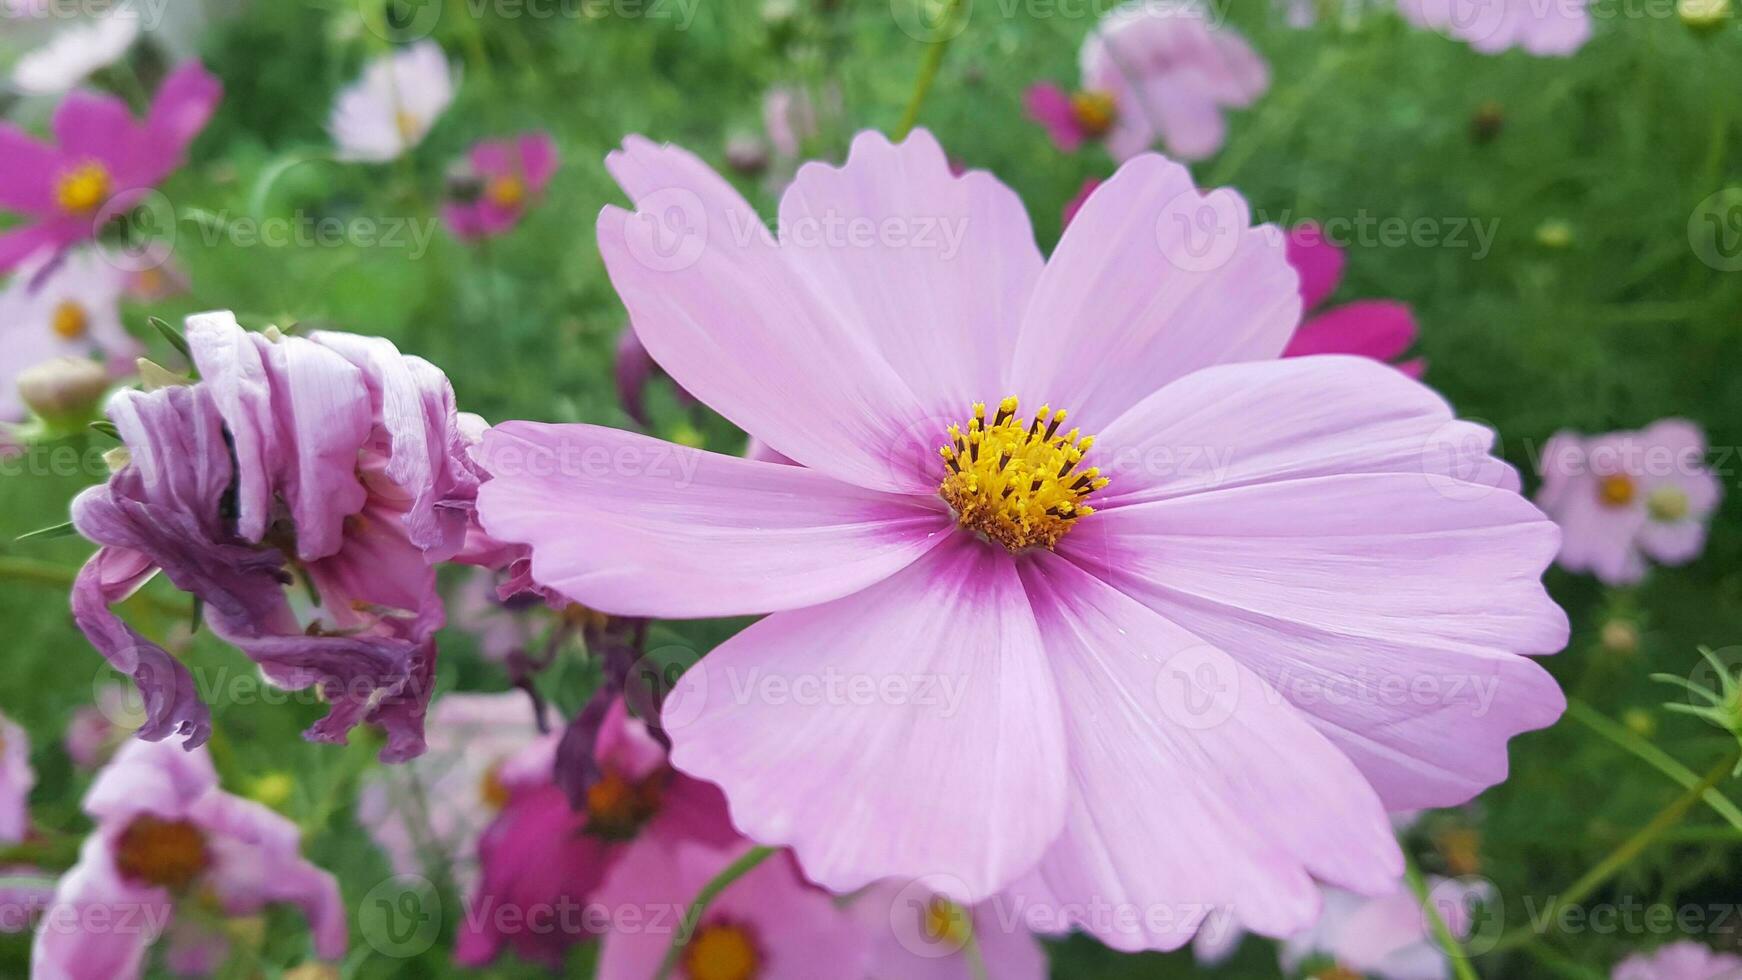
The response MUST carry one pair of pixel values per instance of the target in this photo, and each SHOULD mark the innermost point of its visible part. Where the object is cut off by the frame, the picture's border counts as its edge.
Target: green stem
(710, 891)
(1653, 756)
(1442, 933)
(47, 573)
(928, 69)
(1622, 856)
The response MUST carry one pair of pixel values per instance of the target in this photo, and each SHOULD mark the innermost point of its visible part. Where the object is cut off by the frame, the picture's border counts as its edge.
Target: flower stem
(928, 69)
(1623, 855)
(710, 891)
(1442, 933)
(46, 573)
(1653, 756)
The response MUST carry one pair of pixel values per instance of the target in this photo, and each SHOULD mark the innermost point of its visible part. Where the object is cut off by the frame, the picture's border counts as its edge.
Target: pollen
(1616, 490)
(410, 126)
(492, 790)
(165, 853)
(506, 191)
(1094, 111)
(70, 321)
(84, 188)
(722, 951)
(1015, 480)
(618, 806)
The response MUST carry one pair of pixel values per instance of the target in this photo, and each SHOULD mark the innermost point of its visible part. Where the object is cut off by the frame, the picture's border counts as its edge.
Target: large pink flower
(167, 835)
(1153, 70)
(1684, 960)
(1540, 27)
(330, 466)
(1020, 650)
(1378, 328)
(103, 163)
(1624, 497)
(502, 178)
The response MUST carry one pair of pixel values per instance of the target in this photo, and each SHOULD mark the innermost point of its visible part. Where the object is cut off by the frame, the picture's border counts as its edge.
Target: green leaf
(174, 336)
(65, 530)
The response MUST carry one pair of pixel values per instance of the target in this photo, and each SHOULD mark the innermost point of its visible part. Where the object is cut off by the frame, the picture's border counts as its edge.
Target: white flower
(74, 53)
(392, 107)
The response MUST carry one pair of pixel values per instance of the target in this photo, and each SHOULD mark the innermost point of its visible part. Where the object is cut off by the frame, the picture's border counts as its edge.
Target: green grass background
(1619, 326)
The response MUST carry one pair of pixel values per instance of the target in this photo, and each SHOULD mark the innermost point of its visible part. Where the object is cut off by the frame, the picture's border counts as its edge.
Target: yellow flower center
(491, 789)
(410, 126)
(1094, 111)
(1336, 972)
(70, 321)
(506, 191)
(1667, 504)
(165, 853)
(83, 189)
(1616, 490)
(1015, 481)
(617, 806)
(722, 951)
(947, 924)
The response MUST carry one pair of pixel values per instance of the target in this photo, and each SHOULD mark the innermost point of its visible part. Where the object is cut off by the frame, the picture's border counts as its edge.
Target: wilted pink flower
(540, 856)
(770, 925)
(167, 837)
(1627, 496)
(502, 178)
(1683, 960)
(1376, 328)
(394, 105)
(428, 814)
(65, 306)
(1540, 27)
(95, 731)
(104, 162)
(1085, 600)
(1153, 70)
(1389, 938)
(918, 935)
(321, 468)
(17, 778)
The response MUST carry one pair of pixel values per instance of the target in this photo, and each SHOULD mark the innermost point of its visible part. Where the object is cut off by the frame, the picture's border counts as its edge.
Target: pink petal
(942, 276)
(1151, 282)
(27, 170)
(257, 862)
(1376, 328)
(635, 526)
(1050, 106)
(538, 160)
(722, 309)
(1192, 784)
(155, 777)
(1319, 261)
(1077, 200)
(184, 103)
(927, 693)
(78, 938)
(90, 126)
(1381, 605)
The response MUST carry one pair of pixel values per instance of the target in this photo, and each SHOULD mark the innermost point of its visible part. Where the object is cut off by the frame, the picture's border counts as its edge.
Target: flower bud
(746, 154)
(64, 392)
(1620, 636)
(1555, 234)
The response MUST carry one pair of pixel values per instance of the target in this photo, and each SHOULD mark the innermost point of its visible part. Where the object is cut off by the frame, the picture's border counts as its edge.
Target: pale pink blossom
(1538, 27)
(394, 105)
(1682, 960)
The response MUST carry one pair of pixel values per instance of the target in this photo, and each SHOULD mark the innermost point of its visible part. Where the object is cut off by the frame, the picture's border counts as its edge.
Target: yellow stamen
(947, 924)
(410, 126)
(506, 191)
(1616, 490)
(1094, 111)
(1336, 972)
(1015, 481)
(722, 951)
(70, 321)
(166, 853)
(1667, 504)
(617, 806)
(491, 789)
(83, 189)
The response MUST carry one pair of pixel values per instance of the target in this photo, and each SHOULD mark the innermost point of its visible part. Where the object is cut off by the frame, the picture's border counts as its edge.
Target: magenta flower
(17, 778)
(1540, 27)
(1153, 70)
(501, 179)
(1376, 328)
(542, 861)
(1037, 611)
(770, 925)
(1389, 938)
(103, 161)
(167, 837)
(330, 467)
(1625, 497)
(61, 306)
(433, 809)
(919, 935)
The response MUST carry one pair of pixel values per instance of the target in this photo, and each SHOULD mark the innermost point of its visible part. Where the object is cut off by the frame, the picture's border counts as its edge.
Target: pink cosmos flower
(104, 162)
(1117, 617)
(394, 105)
(1376, 328)
(501, 179)
(1153, 70)
(540, 857)
(1389, 938)
(1684, 960)
(329, 468)
(919, 935)
(167, 835)
(770, 925)
(428, 814)
(65, 306)
(1540, 27)
(1624, 497)
(17, 778)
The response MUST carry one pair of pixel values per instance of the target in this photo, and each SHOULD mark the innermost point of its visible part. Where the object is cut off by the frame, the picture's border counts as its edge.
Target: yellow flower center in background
(166, 853)
(1015, 481)
(1094, 111)
(1616, 490)
(505, 191)
(618, 806)
(491, 789)
(70, 321)
(83, 189)
(1336, 972)
(410, 126)
(721, 952)
(1667, 504)
(947, 924)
